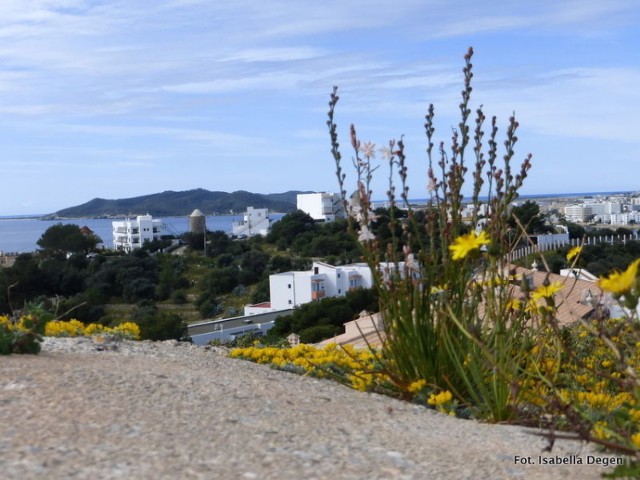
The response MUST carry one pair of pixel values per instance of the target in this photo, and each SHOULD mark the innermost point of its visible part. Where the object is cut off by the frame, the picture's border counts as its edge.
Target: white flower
(368, 149)
(386, 153)
(365, 235)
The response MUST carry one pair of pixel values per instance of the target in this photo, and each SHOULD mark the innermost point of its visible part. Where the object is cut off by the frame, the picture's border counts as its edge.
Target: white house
(256, 221)
(291, 289)
(131, 234)
(323, 207)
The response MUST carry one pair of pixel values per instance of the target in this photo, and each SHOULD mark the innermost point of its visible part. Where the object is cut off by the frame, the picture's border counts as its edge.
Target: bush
(459, 324)
(22, 335)
(179, 297)
(318, 333)
(156, 325)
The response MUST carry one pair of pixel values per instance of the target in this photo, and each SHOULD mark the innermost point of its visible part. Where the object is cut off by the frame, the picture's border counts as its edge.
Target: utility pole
(204, 235)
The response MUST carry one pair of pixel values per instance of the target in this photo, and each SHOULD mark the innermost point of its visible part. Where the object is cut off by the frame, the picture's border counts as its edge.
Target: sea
(20, 234)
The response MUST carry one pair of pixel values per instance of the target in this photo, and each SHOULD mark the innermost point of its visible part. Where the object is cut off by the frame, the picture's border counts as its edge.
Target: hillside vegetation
(172, 203)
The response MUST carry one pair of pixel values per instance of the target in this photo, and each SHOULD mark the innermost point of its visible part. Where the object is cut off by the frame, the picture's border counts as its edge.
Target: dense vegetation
(183, 203)
(161, 291)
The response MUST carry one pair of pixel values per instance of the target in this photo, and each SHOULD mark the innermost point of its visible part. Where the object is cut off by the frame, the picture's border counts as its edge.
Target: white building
(323, 207)
(256, 221)
(291, 289)
(131, 234)
(577, 213)
(625, 218)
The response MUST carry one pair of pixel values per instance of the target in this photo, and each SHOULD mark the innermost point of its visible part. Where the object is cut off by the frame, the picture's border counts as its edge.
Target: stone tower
(197, 222)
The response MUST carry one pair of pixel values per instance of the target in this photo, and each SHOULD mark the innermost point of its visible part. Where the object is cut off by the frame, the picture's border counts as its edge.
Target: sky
(122, 98)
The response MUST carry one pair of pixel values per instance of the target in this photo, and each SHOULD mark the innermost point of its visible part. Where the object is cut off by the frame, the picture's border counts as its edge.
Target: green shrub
(157, 325)
(23, 334)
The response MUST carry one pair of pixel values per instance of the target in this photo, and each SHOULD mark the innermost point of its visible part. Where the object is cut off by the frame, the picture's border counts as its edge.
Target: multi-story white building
(625, 218)
(256, 221)
(131, 234)
(578, 213)
(291, 289)
(602, 211)
(323, 207)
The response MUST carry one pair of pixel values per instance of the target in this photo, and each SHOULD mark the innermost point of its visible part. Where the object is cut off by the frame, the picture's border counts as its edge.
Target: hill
(170, 203)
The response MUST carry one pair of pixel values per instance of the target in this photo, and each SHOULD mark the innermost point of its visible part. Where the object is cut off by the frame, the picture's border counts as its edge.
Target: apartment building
(628, 218)
(129, 234)
(322, 207)
(256, 221)
(586, 211)
(578, 213)
(291, 289)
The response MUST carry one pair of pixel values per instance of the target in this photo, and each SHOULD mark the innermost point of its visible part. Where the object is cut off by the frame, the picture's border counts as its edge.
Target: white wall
(292, 289)
(131, 234)
(320, 206)
(256, 222)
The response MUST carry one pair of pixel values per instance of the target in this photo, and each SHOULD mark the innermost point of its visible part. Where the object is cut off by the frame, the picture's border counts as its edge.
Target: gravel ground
(174, 411)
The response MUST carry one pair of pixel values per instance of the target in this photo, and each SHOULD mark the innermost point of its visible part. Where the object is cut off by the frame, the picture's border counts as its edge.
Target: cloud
(595, 103)
(276, 54)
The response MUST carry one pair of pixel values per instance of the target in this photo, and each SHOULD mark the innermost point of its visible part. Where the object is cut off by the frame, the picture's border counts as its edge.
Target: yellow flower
(600, 431)
(574, 252)
(620, 283)
(465, 244)
(635, 439)
(440, 399)
(416, 386)
(513, 304)
(606, 363)
(547, 291)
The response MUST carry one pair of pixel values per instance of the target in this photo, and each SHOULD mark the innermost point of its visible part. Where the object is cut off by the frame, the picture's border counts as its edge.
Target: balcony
(317, 289)
(318, 295)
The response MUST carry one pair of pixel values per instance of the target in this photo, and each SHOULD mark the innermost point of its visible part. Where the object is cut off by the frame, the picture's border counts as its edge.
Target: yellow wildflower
(620, 283)
(546, 291)
(635, 440)
(93, 329)
(465, 244)
(601, 431)
(574, 252)
(513, 304)
(440, 398)
(416, 386)
(128, 330)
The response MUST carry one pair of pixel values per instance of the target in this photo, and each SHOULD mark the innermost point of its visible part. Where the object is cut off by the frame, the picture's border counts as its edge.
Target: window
(289, 286)
(289, 302)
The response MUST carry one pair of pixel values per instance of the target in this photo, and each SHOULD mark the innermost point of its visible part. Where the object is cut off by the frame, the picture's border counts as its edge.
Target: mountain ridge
(179, 203)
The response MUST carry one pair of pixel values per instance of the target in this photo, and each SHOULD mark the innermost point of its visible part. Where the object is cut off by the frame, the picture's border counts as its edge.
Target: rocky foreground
(167, 410)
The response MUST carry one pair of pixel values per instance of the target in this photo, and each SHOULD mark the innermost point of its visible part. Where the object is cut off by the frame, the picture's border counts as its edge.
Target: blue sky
(120, 98)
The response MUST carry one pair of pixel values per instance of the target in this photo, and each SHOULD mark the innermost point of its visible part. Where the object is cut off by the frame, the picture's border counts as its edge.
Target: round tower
(197, 222)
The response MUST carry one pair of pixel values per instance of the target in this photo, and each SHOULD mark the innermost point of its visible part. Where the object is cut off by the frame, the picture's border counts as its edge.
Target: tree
(60, 239)
(156, 325)
(284, 232)
(575, 230)
(529, 216)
